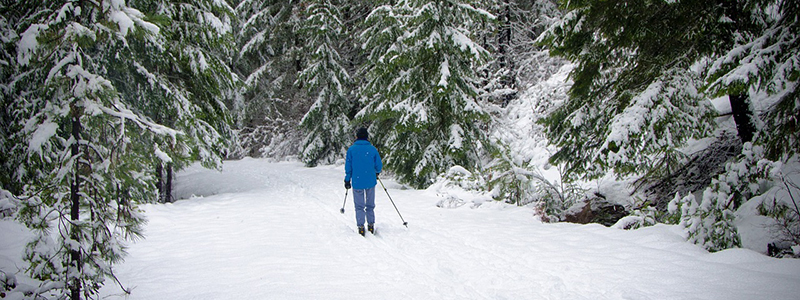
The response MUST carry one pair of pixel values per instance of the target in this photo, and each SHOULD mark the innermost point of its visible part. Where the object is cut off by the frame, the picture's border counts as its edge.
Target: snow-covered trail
(265, 230)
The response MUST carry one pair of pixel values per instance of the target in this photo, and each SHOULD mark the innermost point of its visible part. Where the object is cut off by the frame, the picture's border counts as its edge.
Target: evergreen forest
(103, 101)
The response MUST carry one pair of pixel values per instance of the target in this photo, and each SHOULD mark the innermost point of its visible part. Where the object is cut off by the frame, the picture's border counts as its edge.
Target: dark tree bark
(75, 255)
(504, 60)
(504, 36)
(160, 182)
(168, 190)
(742, 115)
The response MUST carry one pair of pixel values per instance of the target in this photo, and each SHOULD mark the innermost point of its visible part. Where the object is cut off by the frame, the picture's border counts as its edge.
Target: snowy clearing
(262, 230)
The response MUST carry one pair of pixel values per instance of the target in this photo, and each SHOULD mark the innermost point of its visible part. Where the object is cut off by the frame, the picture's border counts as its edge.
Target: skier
(363, 165)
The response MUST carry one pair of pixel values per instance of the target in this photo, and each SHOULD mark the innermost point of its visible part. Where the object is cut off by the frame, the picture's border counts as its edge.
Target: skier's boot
(361, 230)
(371, 228)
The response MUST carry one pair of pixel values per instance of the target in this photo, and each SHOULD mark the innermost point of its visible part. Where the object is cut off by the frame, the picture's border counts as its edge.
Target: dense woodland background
(104, 100)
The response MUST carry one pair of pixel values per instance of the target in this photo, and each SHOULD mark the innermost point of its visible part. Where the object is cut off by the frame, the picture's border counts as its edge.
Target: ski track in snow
(262, 230)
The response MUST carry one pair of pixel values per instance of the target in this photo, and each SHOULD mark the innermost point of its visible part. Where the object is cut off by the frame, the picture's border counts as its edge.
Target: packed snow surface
(261, 230)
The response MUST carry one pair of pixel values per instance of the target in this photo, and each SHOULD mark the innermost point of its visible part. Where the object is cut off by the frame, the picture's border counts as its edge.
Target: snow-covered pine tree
(421, 90)
(708, 222)
(326, 125)
(8, 70)
(517, 60)
(635, 98)
(89, 80)
(532, 62)
(269, 60)
(521, 66)
(760, 68)
(192, 95)
(763, 64)
(73, 143)
(624, 49)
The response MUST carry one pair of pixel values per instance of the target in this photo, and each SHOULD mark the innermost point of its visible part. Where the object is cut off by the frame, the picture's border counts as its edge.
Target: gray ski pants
(365, 205)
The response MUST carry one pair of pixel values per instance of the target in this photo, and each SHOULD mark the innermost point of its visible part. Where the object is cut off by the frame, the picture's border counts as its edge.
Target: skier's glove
(347, 185)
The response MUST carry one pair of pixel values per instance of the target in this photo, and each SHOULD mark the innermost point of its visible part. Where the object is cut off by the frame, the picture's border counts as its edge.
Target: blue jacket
(362, 164)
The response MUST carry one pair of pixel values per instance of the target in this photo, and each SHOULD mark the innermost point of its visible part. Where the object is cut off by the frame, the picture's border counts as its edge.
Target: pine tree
(199, 38)
(635, 98)
(326, 125)
(103, 96)
(644, 71)
(520, 66)
(421, 90)
(269, 60)
(760, 71)
(75, 135)
(710, 222)
(517, 60)
(8, 106)
(763, 63)
(198, 43)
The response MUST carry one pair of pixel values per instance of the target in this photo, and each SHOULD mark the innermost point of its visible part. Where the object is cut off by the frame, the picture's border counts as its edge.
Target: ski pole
(395, 206)
(345, 200)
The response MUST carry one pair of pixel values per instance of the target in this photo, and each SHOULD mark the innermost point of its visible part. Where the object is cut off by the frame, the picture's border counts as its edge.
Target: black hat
(362, 134)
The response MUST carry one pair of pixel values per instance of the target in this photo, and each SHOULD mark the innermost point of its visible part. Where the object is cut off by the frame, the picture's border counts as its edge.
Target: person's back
(364, 162)
(362, 166)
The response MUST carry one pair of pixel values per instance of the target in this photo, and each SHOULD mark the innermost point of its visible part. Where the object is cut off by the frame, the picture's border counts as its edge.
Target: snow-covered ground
(261, 230)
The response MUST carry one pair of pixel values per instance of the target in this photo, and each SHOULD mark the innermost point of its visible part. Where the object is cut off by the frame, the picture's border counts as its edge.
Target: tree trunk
(160, 182)
(75, 255)
(742, 115)
(168, 192)
(507, 80)
(504, 36)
